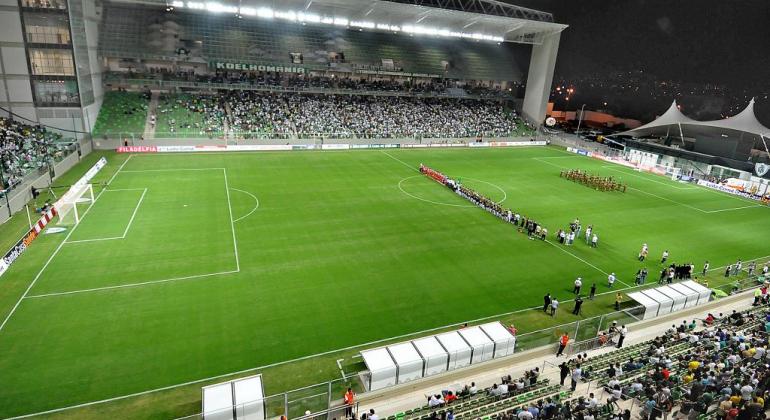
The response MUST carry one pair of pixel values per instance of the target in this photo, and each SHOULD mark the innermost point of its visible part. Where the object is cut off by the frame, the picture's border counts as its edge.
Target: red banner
(137, 149)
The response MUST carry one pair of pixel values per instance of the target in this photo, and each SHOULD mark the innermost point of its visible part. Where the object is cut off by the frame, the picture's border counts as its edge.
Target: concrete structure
(49, 71)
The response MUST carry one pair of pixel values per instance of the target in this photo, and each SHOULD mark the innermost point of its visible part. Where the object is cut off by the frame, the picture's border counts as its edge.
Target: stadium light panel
(265, 13)
(290, 16)
(305, 17)
(362, 24)
(308, 17)
(221, 8)
(248, 11)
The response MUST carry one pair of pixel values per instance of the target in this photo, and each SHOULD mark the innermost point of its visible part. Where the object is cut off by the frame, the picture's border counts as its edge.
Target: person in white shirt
(592, 401)
(503, 389)
(588, 234)
(664, 257)
(746, 392)
(594, 241)
(373, 416)
(524, 414)
(554, 306)
(706, 268)
(577, 374)
(578, 285)
(611, 279)
(472, 390)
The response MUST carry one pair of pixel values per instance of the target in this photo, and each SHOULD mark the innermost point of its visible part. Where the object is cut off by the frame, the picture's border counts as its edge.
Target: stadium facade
(56, 53)
(51, 74)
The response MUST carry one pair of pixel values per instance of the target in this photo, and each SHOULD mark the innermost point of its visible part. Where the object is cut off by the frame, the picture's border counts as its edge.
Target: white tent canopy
(746, 121)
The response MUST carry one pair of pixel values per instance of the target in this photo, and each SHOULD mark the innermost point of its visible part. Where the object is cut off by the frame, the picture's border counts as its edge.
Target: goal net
(67, 206)
(669, 171)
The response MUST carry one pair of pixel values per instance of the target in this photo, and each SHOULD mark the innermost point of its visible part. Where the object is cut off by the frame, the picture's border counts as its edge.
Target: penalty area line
(125, 286)
(58, 248)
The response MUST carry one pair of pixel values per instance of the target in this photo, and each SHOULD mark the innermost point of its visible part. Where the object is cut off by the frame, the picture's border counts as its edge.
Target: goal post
(672, 172)
(67, 206)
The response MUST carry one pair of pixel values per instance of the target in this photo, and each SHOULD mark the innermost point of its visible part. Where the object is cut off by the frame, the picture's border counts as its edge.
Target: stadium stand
(717, 370)
(190, 116)
(151, 33)
(24, 148)
(122, 112)
(253, 114)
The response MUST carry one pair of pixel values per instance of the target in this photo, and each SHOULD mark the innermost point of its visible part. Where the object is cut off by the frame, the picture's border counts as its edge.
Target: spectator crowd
(24, 148)
(253, 114)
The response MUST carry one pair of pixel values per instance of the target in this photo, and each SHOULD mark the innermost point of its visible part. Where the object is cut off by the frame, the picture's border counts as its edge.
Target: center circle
(433, 194)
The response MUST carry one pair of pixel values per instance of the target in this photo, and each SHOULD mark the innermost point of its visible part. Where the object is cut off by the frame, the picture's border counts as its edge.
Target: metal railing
(238, 85)
(235, 134)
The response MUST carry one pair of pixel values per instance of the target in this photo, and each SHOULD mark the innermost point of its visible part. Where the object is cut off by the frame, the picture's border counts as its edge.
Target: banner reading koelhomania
(223, 65)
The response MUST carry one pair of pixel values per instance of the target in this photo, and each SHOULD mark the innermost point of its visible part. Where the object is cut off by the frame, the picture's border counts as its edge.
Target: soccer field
(189, 266)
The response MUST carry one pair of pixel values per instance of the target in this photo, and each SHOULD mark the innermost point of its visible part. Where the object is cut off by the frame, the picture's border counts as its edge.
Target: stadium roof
(743, 122)
(487, 20)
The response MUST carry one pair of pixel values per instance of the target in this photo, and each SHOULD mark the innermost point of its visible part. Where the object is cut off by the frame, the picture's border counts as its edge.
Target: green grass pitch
(190, 266)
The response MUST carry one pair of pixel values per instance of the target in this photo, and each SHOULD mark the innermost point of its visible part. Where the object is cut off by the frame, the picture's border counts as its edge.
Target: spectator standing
(563, 341)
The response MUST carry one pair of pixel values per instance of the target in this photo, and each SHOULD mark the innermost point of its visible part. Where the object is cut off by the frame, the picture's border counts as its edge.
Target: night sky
(717, 49)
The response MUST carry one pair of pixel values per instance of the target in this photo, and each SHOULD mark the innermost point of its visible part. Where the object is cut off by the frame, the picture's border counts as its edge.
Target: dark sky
(723, 42)
(726, 41)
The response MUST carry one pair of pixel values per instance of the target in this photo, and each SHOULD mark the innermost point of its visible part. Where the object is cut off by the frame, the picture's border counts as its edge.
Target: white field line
(174, 169)
(124, 286)
(693, 207)
(613, 168)
(95, 240)
(399, 161)
(549, 163)
(252, 210)
(669, 200)
(58, 248)
(735, 208)
(563, 249)
(232, 223)
(128, 226)
(371, 343)
(339, 365)
(133, 215)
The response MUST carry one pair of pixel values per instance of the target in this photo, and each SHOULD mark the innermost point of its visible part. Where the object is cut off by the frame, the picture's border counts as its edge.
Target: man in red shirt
(562, 344)
(349, 400)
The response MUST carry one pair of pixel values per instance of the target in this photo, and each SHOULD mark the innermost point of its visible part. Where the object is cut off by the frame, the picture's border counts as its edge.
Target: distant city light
(302, 17)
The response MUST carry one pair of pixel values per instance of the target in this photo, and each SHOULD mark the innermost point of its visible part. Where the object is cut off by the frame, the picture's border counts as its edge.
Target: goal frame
(68, 204)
